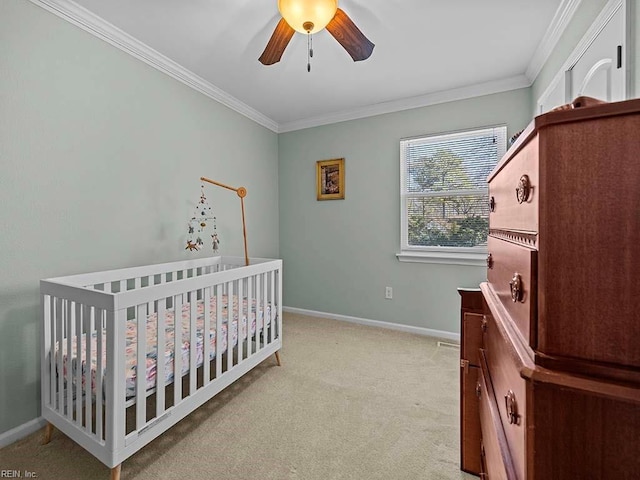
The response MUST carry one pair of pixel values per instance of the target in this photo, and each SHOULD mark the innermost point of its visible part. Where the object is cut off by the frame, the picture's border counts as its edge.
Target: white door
(600, 72)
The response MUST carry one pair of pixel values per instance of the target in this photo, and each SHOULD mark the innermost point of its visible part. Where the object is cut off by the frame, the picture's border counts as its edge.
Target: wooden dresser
(550, 357)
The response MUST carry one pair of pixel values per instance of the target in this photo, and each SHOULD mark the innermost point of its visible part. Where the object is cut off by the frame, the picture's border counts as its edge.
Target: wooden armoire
(550, 354)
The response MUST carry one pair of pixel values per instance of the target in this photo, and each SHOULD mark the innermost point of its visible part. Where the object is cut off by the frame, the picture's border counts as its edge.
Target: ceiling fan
(309, 17)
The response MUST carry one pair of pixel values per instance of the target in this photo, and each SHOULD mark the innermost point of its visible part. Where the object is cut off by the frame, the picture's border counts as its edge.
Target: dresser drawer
(514, 191)
(509, 389)
(512, 274)
(496, 459)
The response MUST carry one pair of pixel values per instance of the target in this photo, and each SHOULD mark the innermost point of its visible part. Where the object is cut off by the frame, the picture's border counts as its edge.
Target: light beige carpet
(349, 402)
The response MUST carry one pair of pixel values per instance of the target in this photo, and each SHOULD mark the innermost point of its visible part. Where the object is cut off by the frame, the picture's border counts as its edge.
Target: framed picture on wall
(330, 179)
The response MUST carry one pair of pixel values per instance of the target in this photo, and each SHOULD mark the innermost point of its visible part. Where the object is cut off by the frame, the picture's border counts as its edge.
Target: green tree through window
(445, 221)
(444, 187)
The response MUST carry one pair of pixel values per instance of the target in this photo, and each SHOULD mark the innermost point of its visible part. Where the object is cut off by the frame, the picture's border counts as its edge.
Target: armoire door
(600, 71)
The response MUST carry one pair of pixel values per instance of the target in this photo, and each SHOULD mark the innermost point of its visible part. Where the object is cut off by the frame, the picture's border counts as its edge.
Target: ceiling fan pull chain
(309, 51)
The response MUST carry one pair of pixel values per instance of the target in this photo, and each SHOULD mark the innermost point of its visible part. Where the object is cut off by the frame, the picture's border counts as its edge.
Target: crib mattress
(248, 323)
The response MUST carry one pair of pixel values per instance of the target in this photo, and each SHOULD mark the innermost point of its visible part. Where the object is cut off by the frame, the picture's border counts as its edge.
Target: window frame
(475, 256)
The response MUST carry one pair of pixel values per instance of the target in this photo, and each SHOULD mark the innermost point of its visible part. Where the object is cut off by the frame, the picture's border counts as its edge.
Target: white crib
(115, 321)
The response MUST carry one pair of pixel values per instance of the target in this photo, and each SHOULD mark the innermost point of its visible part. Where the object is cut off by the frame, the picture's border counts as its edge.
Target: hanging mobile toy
(198, 223)
(215, 241)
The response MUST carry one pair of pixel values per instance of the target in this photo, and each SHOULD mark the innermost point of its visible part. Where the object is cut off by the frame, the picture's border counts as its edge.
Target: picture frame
(330, 179)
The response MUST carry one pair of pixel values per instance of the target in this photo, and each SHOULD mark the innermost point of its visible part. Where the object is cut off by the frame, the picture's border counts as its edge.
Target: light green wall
(339, 255)
(101, 157)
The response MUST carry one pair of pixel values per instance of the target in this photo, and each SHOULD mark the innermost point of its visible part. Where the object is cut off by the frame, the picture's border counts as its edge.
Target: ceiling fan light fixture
(299, 13)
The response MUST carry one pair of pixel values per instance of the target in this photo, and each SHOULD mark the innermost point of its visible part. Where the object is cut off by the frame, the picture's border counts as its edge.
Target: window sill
(449, 258)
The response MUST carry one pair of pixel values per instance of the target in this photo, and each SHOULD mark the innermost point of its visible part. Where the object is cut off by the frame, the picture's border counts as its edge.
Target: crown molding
(559, 23)
(478, 90)
(93, 24)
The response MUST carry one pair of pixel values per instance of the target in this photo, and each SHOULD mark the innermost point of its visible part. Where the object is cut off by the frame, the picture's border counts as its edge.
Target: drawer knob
(516, 288)
(492, 204)
(484, 323)
(478, 390)
(512, 407)
(523, 190)
(489, 261)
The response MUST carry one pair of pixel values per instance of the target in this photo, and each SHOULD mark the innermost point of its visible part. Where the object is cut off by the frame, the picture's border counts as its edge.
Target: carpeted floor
(349, 402)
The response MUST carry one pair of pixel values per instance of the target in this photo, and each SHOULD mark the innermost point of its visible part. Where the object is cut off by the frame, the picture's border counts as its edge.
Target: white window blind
(443, 189)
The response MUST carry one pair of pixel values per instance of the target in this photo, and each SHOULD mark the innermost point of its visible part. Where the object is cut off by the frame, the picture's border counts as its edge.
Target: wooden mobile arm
(242, 192)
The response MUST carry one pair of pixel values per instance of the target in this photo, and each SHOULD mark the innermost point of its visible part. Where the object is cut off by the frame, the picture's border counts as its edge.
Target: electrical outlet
(388, 293)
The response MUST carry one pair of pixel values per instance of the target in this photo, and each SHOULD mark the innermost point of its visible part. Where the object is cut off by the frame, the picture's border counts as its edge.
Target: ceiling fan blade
(277, 43)
(350, 37)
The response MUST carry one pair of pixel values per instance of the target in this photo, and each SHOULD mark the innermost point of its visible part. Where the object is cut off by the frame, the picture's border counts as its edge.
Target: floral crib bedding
(151, 368)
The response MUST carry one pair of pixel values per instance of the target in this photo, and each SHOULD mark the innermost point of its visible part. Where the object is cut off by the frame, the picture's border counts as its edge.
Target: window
(444, 194)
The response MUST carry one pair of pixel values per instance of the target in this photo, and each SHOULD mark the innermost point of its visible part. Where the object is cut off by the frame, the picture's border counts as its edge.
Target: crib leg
(115, 472)
(48, 431)
(278, 358)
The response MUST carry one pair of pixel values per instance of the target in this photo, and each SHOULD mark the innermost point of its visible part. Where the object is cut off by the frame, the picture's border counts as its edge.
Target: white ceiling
(423, 47)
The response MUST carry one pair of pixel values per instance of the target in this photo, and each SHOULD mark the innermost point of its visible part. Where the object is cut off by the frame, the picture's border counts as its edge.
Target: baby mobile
(202, 215)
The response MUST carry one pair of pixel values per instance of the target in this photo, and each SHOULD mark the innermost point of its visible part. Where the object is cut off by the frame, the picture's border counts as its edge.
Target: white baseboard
(21, 431)
(428, 332)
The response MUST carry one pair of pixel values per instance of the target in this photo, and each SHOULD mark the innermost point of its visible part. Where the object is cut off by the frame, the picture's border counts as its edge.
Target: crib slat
(241, 335)
(69, 375)
(259, 319)
(274, 303)
(206, 337)
(259, 327)
(229, 326)
(115, 407)
(264, 309)
(177, 345)
(278, 306)
(89, 321)
(193, 342)
(52, 353)
(249, 315)
(78, 337)
(161, 349)
(218, 331)
(141, 366)
(60, 338)
(45, 380)
(99, 371)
